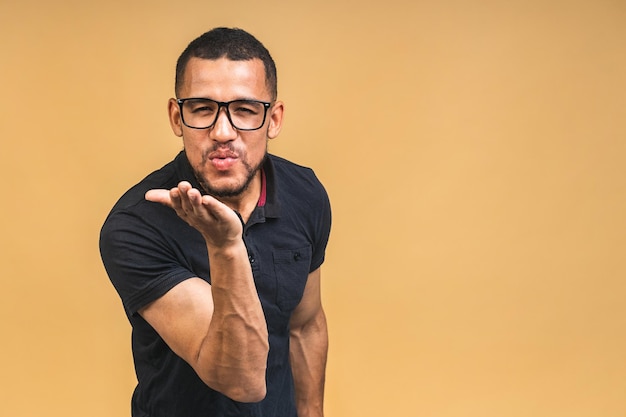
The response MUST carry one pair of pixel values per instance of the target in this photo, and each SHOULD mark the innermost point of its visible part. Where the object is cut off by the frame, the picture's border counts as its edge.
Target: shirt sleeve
(323, 225)
(141, 261)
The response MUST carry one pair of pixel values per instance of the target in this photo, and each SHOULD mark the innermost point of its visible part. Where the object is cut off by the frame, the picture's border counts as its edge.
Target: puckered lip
(224, 154)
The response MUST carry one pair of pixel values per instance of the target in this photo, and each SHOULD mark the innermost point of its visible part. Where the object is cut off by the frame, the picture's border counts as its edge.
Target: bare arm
(308, 349)
(219, 329)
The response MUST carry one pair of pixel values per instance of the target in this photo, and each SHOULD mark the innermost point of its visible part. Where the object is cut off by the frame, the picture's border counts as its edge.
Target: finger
(181, 196)
(184, 186)
(174, 194)
(159, 196)
(195, 198)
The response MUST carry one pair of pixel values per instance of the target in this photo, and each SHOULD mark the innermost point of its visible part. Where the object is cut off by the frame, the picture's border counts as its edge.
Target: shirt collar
(271, 206)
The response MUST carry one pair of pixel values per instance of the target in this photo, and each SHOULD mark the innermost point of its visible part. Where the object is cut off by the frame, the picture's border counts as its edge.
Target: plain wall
(474, 153)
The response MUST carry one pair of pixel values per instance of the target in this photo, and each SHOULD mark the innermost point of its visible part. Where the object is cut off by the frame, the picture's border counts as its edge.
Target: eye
(201, 106)
(245, 108)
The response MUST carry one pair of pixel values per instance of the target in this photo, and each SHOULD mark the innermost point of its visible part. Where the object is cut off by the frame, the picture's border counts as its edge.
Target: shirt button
(251, 259)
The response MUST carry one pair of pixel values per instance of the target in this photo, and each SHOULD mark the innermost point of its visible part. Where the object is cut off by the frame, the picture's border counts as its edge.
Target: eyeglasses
(202, 113)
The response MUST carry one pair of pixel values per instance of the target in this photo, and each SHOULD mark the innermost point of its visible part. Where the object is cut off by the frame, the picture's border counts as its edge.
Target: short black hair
(232, 43)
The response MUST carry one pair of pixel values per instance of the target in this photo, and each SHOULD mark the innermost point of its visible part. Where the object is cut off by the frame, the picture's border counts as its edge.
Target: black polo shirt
(147, 249)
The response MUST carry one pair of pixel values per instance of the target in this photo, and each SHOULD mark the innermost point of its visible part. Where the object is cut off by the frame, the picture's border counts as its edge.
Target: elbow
(238, 372)
(245, 391)
(245, 386)
(248, 395)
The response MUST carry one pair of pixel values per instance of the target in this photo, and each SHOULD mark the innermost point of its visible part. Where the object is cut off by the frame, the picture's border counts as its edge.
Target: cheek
(253, 148)
(196, 150)
(255, 156)
(260, 145)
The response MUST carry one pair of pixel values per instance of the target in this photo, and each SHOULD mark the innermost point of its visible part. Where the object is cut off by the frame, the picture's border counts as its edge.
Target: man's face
(226, 160)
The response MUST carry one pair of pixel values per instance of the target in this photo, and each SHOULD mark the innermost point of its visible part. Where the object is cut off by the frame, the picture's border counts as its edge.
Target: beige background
(474, 153)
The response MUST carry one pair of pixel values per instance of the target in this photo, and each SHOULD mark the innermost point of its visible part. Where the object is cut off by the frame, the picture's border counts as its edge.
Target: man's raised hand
(217, 222)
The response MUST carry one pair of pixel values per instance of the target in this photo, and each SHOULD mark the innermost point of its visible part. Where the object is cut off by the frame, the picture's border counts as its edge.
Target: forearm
(236, 347)
(308, 353)
(219, 329)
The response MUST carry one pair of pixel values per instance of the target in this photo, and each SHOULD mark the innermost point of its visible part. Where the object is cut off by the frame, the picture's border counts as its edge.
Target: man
(217, 255)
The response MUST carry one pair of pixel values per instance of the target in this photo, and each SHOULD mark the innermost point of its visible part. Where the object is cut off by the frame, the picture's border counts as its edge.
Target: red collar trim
(263, 196)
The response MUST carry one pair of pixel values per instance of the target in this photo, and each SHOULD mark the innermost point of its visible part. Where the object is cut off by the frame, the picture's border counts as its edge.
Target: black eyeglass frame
(224, 104)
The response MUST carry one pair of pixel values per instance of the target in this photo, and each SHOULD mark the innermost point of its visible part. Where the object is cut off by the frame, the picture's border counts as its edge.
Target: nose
(222, 130)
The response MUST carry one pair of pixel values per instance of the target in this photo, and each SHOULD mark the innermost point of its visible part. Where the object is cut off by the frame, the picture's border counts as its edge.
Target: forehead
(224, 80)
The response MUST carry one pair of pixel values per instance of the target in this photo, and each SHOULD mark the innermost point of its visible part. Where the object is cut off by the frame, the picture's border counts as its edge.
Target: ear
(275, 119)
(174, 114)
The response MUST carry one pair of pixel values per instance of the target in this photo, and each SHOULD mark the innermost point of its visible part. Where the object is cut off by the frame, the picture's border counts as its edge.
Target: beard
(237, 189)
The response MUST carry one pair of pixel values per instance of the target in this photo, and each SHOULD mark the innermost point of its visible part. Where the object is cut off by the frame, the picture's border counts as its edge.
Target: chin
(225, 190)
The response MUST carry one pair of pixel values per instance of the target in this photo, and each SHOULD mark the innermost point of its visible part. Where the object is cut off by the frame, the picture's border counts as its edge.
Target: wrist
(227, 250)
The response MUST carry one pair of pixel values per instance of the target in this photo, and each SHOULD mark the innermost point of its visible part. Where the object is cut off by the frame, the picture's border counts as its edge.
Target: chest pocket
(292, 269)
